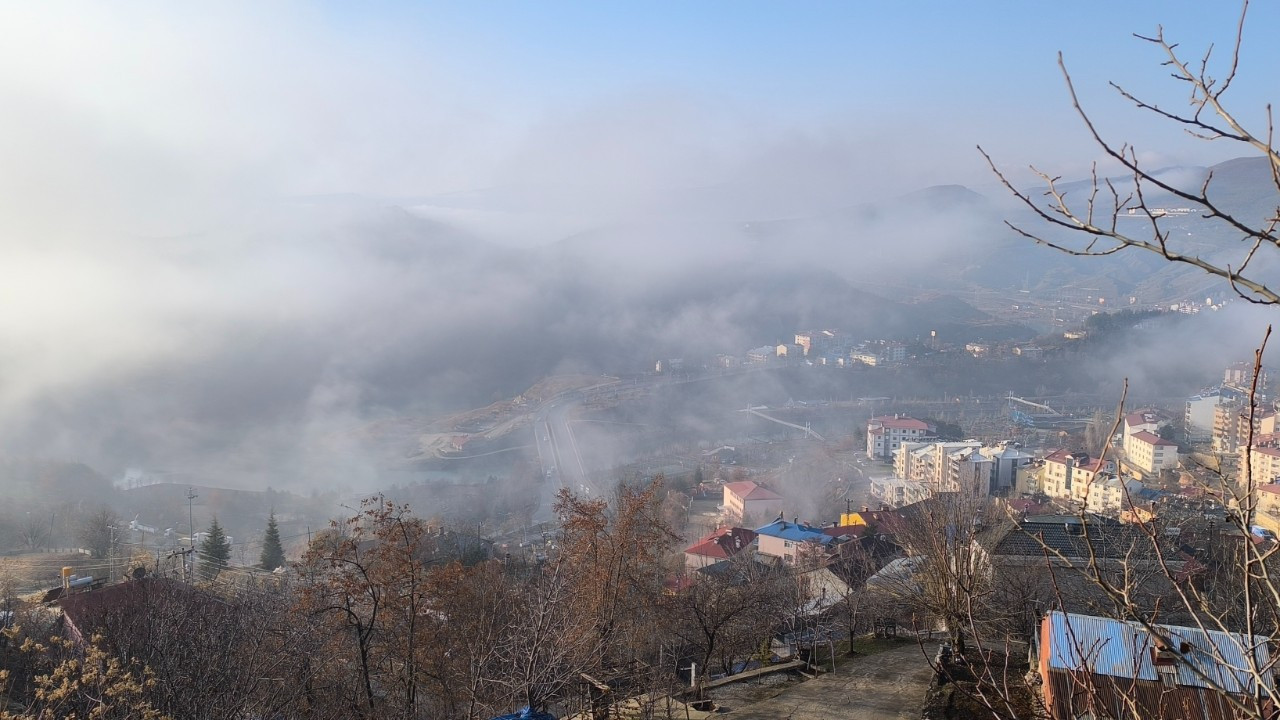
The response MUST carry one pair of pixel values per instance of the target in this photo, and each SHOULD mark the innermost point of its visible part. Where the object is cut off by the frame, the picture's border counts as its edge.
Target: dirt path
(888, 685)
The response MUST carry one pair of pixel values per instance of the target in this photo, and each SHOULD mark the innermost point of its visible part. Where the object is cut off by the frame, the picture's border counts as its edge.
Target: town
(639, 361)
(828, 530)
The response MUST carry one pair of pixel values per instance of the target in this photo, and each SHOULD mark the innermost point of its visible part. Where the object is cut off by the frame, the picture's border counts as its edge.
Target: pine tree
(214, 551)
(272, 550)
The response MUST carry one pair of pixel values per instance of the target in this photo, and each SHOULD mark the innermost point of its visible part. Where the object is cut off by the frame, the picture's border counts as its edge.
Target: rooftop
(1153, 439)
(1105, 646)
(1064, 535)
(898, 423)
(748, 490)
(1081, 460)
(795, 532)
(722, 543)
(1143, 417)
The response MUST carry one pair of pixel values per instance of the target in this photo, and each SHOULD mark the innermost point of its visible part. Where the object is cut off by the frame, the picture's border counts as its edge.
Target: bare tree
(99, 532)
(34, 532)
(1229, 582)
(1097, 217)
(723, 614)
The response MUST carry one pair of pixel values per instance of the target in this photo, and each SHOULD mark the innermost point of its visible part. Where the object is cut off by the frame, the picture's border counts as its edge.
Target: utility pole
(191, 495)
(180, 553)
(111, 554)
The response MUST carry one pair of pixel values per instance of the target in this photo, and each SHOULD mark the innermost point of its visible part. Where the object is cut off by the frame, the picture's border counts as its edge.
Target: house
(1149, 453)
(846, 571)
(791, 541)
(885, 434)
(720, 544)
(816, 342)
(738, 571)
(869, 359)
(745, 499)
(1027, 560)
(456, 444)
(1102, 667)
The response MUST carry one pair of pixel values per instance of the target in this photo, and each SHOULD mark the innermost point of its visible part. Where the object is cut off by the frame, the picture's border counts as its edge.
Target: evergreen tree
(272, 551)
(214, 551)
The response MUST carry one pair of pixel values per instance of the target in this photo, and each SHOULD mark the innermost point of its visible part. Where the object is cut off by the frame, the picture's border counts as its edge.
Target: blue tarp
(526, 714)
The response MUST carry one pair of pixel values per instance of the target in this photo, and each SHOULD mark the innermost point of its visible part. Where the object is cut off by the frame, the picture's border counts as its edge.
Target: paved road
(885, 686)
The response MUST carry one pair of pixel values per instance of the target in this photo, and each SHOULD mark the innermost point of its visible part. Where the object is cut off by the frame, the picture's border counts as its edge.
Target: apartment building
(1067, 475)
(1198, 419)
(1149, 453)
(886, 434)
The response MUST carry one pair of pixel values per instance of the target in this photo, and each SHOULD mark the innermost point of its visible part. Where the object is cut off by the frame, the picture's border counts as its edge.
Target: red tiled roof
(748, 490)
(1143, 417)
(1273, 452)
(722, 543)
(902, 423)
(1058, 456)
(1151, 438)
(1273, 488)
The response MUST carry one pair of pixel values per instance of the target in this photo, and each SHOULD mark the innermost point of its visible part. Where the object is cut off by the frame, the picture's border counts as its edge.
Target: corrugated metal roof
(1123, 649)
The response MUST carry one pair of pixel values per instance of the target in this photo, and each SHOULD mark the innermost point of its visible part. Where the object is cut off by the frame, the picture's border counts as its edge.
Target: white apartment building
(968, 472)
(946, 466)
(1140, 421)
(906, 458)
(1264, 465)
(1067, 475)
(1109, 494)
(1149, 453)
(886, 434)
(898, 492)
(1198, 419)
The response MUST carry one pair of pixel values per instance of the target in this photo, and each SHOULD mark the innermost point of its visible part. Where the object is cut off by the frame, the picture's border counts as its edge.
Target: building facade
(885, 434)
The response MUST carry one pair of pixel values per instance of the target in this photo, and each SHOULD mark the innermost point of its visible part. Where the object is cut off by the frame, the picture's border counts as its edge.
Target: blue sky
(125, 104)
(971, 72)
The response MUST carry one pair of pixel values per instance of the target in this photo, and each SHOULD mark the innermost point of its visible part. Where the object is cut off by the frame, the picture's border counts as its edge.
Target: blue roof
(525, 713)
(795, 533)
